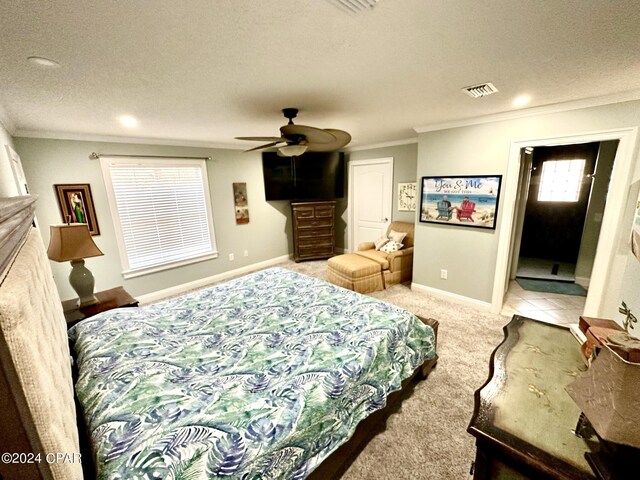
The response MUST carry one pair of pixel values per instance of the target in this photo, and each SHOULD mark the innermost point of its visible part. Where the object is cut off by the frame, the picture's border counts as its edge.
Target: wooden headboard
(39, 427)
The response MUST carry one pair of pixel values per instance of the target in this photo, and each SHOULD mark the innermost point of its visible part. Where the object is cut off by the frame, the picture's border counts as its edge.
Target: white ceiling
(205, 71)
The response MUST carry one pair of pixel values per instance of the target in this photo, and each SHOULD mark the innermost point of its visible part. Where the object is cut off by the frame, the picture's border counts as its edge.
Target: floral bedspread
(259, 377)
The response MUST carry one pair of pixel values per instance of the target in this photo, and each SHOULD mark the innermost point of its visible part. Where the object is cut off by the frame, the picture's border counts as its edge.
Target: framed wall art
(635, 233)
(241, 203)
(470, 201)
(407, 197)
(76, 205)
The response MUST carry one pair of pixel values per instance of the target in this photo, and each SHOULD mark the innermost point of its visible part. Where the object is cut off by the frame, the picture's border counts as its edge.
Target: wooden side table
(107, 300)
(524, 419)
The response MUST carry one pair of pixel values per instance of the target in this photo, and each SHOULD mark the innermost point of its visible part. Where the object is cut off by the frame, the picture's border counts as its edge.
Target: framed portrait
(76, 205)
(407, 197)
(469, 201)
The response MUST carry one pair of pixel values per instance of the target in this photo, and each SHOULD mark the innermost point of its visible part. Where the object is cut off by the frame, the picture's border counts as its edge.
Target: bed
(273, 375)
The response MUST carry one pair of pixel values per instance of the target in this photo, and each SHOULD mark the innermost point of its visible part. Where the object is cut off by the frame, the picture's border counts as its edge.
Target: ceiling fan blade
(262, 139)
(266, 145)
(294, 136)
(342, 138)
(311, 134)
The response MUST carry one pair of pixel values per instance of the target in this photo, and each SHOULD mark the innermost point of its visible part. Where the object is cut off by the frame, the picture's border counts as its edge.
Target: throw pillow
(391, 247)
(380, 242)
(397, 236)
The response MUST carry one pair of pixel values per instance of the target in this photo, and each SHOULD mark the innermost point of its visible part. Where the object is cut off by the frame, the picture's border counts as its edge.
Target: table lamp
(607, 393)
(72, 242)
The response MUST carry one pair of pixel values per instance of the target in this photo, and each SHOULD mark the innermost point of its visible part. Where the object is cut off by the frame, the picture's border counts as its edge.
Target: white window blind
(162, 212)
(561, 180)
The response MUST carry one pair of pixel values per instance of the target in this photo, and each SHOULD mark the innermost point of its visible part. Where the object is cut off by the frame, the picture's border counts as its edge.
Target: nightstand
(107, 300)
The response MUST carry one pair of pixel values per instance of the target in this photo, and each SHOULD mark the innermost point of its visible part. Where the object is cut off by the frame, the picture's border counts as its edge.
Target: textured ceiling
(209, 70)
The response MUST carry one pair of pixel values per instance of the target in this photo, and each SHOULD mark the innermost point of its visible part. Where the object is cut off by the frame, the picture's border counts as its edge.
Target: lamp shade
(71, 242)
(292, 150)
(607, 393)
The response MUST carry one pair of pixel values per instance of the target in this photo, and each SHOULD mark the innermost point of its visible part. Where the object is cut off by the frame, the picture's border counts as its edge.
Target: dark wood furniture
(314, 235)
(523, 419)
(107, 300)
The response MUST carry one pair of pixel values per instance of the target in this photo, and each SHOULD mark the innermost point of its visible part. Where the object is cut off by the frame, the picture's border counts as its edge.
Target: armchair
(465, 210)
(444, 210)
(396, 266)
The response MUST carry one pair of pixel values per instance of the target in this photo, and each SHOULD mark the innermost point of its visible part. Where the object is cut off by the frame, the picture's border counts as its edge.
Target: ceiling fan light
(292, 150)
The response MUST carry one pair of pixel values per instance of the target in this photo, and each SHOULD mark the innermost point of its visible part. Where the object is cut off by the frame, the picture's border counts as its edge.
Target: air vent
(354, 6)
(482, 90)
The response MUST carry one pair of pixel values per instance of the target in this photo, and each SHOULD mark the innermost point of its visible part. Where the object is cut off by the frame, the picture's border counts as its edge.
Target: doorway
(605, 279)
(562, 197)
(557, 199)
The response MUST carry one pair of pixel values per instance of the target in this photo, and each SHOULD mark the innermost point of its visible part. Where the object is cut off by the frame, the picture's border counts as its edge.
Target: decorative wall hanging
(240, 200)
(76, 205)
(635, 233)
(470, 201)
(407, 197)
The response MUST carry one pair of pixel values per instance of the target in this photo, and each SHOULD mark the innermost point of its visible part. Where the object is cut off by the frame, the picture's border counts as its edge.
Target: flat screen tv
(312, 176)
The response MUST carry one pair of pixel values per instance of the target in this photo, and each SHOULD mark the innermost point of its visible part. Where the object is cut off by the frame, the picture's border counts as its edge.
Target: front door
(370, 202)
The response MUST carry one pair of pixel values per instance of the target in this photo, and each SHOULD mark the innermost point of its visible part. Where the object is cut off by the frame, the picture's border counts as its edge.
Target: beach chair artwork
(443, 210)
(460, 200)
(465, 211)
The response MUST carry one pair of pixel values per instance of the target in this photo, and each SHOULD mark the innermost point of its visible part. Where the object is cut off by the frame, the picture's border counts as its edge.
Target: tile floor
(549, 307)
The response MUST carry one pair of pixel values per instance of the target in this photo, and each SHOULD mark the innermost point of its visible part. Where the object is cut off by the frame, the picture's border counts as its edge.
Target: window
(161, 211)
(561, 180)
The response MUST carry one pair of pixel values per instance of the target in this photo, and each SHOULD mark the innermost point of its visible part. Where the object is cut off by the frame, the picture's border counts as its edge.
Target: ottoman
(355, 272)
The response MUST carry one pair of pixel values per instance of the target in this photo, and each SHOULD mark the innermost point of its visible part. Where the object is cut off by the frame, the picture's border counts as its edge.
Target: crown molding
(627, 96)
(116, 139)
(172, 142)
(392, 143)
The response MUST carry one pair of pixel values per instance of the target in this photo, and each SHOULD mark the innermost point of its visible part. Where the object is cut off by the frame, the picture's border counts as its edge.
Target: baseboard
(203, 282)
(452, 297)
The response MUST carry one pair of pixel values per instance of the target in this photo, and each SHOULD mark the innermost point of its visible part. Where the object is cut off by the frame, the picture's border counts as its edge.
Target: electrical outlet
(443, 274)
(246, 253)
(232, 257)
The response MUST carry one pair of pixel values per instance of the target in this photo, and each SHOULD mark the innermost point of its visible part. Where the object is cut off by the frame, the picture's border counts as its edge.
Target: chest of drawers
(313, 230)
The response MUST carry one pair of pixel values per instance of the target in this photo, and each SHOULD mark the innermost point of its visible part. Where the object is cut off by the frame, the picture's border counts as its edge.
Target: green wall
(266, 237)
(470, 254)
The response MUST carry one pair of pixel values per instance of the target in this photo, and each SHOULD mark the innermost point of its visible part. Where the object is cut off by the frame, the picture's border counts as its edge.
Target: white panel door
(370, 201)
(18, 173)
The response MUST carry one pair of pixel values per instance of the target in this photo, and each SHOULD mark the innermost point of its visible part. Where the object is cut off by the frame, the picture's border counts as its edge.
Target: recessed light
(128, 121)
(521, 101)
(43, 62)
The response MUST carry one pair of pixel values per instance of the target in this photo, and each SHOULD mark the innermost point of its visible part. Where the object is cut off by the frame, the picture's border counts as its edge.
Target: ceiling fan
(298, 139)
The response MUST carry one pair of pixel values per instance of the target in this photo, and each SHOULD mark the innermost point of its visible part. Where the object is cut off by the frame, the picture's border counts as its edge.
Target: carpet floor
(426, 437)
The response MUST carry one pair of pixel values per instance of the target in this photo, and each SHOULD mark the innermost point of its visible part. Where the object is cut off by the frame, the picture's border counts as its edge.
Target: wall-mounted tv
(311, 176)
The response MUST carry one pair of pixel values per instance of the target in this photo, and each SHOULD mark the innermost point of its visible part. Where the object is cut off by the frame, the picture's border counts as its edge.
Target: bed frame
(39, 427)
